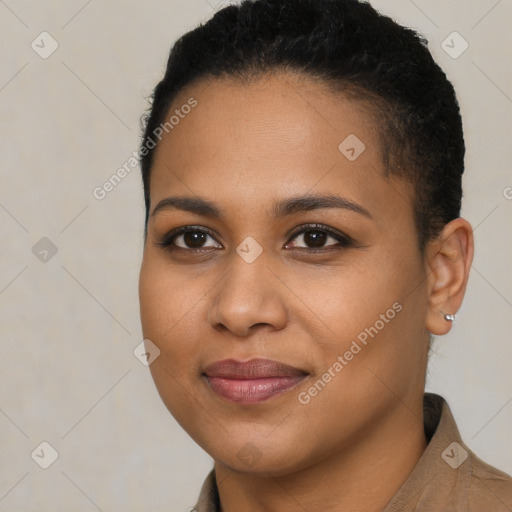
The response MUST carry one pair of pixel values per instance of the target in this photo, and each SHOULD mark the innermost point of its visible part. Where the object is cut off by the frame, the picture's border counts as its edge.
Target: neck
(361, 477)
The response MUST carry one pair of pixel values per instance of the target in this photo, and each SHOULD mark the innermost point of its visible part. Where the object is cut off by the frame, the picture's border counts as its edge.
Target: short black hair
(351, 47)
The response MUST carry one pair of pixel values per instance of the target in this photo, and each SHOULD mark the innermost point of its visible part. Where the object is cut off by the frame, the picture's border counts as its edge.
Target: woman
(302, 165)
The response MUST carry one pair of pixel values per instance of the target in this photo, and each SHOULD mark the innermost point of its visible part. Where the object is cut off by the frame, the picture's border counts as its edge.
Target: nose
(249, 297)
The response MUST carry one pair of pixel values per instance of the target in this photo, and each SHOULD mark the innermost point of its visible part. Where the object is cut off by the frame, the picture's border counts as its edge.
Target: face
(282, 285)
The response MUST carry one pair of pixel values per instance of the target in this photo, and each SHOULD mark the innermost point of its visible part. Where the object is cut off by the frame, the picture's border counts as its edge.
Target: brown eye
(318, 237)
(193, 239)
(189, 238)
(315, 238)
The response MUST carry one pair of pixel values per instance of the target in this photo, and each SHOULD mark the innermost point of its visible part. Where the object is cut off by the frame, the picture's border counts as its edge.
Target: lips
(251, 381)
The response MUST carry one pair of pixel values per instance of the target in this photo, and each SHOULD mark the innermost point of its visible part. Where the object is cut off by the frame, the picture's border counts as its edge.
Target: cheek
(167, 311)
(169, 318)
(350, 298)
(166, 299)
(365, 311)
(381, 347)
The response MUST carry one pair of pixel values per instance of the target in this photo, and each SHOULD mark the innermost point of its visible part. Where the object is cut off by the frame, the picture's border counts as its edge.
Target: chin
(254, 454)
(253, 461)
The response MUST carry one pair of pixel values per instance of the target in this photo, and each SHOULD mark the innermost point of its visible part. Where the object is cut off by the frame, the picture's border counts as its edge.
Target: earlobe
(449, 259)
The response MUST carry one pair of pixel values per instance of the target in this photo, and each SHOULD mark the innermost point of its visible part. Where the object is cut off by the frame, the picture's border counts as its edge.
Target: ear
(449, 259)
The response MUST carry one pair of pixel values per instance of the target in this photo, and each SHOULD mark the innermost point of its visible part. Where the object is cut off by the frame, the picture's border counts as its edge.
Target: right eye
(188, 238)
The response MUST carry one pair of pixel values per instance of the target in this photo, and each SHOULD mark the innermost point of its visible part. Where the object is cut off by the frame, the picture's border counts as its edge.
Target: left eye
(317, 237)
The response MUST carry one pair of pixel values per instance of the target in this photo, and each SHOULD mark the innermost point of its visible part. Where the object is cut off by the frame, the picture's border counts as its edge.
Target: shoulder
(489, 486)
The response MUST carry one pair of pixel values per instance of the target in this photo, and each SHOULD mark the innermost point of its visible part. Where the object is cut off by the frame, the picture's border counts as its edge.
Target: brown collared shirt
(449, 477)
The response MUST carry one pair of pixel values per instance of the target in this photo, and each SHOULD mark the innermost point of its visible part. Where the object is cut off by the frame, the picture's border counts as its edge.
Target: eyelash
(344, 241)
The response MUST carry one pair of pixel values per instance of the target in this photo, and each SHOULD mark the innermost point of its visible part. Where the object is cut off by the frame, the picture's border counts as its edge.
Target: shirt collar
(442, 476)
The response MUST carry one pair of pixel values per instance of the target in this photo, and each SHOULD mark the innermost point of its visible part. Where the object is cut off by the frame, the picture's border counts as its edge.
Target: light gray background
(69, 325)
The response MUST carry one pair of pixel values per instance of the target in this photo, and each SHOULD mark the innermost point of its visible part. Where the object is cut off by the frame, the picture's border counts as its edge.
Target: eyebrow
(281, 208)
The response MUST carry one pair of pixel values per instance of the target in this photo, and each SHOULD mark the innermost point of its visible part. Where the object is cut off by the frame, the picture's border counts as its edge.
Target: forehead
(275, 136)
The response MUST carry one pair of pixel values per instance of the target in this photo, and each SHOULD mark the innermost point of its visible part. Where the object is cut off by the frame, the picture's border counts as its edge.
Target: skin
(244, 147)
